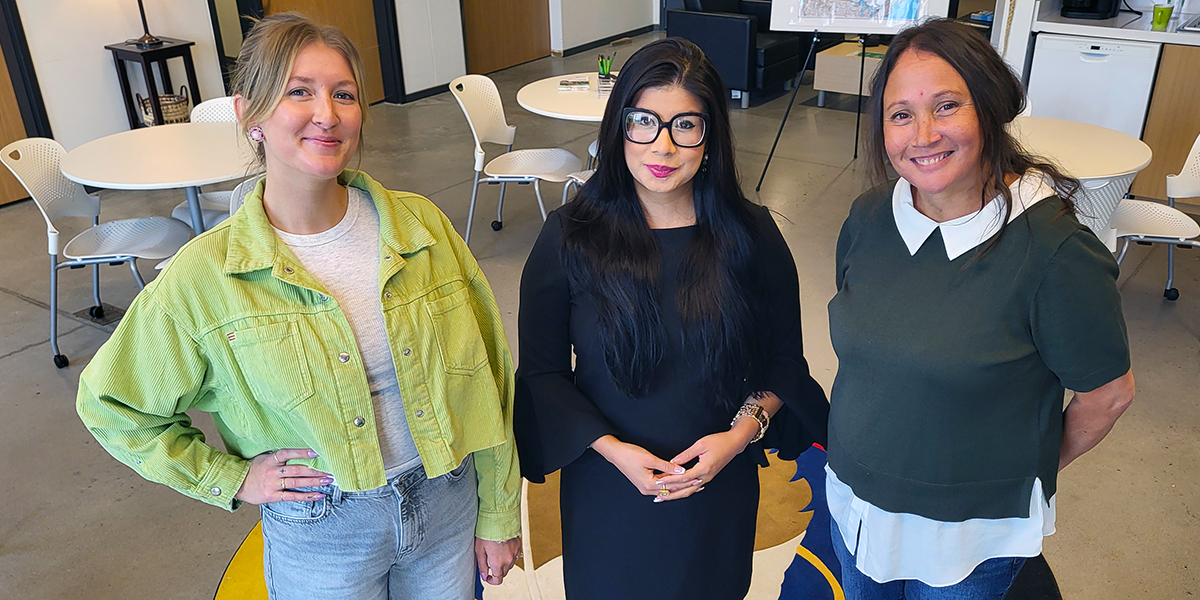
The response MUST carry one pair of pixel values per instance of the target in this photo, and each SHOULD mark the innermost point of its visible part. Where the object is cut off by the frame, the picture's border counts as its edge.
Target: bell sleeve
(554, 422)
(804, 418)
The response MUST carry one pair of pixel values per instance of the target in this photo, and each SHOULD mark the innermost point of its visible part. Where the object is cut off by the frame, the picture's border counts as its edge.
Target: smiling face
(931, 131)
(661, 170)
(314, 131)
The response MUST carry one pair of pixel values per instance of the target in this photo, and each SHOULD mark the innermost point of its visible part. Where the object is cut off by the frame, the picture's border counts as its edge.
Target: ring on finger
(275, 455)
(664, 492)
(283, 483)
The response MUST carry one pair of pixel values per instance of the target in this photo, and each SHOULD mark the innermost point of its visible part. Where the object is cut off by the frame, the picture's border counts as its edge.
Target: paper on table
(574, 85)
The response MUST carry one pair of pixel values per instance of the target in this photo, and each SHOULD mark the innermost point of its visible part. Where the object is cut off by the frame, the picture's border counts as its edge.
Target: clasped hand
(651, 474)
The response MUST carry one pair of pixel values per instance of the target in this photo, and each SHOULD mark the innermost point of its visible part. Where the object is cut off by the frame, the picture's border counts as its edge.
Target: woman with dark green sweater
(969, 298)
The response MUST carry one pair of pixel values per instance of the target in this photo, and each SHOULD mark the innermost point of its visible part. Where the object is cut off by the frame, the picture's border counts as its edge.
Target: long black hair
(997, 95)
(610, 251)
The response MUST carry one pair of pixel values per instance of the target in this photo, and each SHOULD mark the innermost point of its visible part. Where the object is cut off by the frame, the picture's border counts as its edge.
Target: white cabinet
(1093, 80)
(431, 43)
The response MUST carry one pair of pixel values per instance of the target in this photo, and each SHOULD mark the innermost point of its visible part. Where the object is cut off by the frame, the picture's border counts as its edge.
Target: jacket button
(322, 297)
(288, 270)
(359, 421)
(387, 294)
(344, 357)
(406, 351)
(388, 257)
(420, 413)
(215, 491)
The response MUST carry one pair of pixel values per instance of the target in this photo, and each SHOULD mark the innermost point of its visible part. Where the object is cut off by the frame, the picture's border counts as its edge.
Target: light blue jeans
(413, 538)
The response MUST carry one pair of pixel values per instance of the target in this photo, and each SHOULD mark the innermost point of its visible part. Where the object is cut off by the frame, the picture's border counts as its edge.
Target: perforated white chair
(214, 206)
(1096, 201)
(1145, 222)
(480, 102)
(215, 110)
(593, 153)
(576, 180)
(239, 193)
(35, 162)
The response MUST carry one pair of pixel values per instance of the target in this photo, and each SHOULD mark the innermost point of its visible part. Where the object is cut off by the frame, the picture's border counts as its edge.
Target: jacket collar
(254, 246)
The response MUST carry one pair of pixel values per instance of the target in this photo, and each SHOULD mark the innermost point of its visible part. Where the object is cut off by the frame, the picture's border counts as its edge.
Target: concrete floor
(83, 525)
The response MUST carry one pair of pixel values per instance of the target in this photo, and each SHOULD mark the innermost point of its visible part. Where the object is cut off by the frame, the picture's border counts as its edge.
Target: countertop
(1125, 26)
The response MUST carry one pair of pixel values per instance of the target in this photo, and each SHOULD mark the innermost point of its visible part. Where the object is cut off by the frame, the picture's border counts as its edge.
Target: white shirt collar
(963, 234)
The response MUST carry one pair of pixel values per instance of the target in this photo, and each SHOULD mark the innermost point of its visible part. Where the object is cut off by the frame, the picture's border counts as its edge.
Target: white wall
(431, 42)
(78, 80)
(585, 21)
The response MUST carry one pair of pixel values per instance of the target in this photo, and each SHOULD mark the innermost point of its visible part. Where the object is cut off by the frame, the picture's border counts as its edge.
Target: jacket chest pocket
(273, 363)
(458, 337)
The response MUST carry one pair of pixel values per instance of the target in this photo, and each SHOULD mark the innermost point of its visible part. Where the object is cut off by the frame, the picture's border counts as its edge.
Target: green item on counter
(1162, 14)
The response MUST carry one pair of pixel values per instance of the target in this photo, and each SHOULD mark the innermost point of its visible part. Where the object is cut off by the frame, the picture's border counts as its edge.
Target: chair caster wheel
(96, 312)
(61, 361)
(1171, 294)
(497, 225)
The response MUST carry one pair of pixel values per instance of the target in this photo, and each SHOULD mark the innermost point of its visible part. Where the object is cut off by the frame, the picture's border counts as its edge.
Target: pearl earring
(256, 134)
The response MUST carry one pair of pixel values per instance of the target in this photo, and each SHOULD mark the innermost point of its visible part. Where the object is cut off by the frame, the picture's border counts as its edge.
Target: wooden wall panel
(503, 33)
(1174, 119)
(12, 128)
(356, 18)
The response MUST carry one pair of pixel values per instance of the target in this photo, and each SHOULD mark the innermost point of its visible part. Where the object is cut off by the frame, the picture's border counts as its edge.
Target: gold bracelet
(758, 413)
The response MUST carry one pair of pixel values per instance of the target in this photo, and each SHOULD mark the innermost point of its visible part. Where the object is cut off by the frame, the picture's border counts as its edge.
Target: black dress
(618, 543)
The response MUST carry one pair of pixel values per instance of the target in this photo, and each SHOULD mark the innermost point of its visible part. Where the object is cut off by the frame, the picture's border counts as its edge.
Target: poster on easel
(853, 16)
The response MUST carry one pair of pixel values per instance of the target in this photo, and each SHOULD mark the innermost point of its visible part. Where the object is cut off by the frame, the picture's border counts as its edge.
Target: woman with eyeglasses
(679, 300)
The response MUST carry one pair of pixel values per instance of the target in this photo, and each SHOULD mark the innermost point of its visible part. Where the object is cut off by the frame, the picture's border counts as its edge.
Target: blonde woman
(345, 342)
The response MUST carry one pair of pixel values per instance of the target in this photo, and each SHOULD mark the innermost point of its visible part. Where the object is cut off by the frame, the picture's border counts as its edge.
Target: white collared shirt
(893, 546)
(963, 234)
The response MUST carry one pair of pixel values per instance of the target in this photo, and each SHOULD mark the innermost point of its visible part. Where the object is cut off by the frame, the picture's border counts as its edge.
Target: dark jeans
(989, 581)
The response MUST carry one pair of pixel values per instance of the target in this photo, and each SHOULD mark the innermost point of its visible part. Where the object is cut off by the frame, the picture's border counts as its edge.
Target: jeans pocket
(461, 469)
(297, 511)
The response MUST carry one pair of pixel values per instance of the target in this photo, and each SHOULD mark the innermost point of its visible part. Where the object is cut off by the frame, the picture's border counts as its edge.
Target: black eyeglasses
(643, 126)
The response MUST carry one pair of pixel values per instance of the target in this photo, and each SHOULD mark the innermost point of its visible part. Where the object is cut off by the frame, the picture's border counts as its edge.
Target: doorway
(22, 111)
(356, 18)
(503, 33)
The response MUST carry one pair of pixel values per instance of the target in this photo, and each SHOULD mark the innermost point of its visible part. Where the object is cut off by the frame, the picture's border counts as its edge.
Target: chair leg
(60, 361)
(99, 306)
(96, 285)
(1124, 249)
(500, 206)
(1170, 288)
(471, 209)
(567, 189)
(537, 190)
(137, 276)
(745, 100)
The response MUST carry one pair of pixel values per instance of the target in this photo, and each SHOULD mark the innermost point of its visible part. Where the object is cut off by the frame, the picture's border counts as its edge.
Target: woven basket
(174, 107)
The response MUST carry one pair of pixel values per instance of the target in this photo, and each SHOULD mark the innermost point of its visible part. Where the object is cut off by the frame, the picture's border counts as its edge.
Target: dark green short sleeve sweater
(949, 394)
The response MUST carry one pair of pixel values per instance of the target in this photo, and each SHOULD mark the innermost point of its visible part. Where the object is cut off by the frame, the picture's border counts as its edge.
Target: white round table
(543, 98)
(184, 155)
(1105, 160)
(1086, 151)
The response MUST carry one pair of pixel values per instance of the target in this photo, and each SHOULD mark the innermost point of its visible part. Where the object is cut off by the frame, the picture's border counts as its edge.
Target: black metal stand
(812, 47)
(147, 40)
(862, 68)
